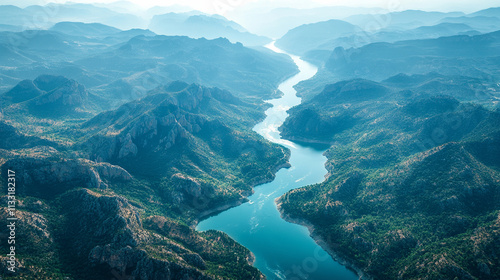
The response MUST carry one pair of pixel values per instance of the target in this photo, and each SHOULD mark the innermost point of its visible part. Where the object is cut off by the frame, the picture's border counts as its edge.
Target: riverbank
(321, 242)
(244, 196)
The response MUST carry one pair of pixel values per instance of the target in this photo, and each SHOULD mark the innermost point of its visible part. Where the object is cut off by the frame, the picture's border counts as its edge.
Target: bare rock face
(119, 259)
(128, 147)
(110, 171)
(157, 122)
(187, 184)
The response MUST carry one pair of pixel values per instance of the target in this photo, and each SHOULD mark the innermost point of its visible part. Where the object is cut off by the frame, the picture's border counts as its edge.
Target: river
(282, 250)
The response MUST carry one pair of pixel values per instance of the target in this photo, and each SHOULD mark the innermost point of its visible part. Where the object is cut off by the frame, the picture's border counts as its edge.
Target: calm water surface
(282, 250)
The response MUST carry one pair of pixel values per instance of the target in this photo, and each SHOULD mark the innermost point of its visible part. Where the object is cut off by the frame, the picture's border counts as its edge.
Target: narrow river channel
(282, 250)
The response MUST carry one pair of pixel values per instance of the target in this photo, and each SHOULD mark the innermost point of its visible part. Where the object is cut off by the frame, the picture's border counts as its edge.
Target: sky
(219, 6)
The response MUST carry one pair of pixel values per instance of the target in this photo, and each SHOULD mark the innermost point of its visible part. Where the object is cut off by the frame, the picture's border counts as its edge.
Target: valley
(182, 142)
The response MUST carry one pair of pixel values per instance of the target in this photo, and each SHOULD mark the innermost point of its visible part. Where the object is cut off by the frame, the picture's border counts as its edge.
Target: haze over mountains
(126, 126)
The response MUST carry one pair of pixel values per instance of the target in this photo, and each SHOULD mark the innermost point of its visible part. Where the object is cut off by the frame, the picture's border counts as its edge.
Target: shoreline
(318, 239)
(299, 140)
(244, 196)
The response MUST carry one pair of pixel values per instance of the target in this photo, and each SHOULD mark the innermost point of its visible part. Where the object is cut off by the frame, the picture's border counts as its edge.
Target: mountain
(13, 139)
(413, 177)
(209, 62)
(99, 36)
(55, 13)
(451, 56)
(201, 126)
(198, 25)
(490, 12)
(128, 246)
(119, 194)
(45, 46)
(481, 23)
(403, 20)
(318, 53)
(275, 22)
(328, 38)
(125, 65)
(413, 56)
(444, 30)
(84, 29)
(12, 28)
(335, 108)
(48, 97)
(310, 36)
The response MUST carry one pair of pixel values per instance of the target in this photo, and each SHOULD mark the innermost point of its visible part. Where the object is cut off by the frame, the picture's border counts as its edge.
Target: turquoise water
(282, 250)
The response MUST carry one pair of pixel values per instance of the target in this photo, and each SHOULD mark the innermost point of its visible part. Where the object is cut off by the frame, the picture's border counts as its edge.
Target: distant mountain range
(197, 25)
(310, 36)
(454, 55)
(53, 13)
(392, 27)
(162, 21)
(135, 61)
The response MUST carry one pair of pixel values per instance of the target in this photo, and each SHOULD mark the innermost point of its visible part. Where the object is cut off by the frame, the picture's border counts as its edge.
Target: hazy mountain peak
(202, 25)
(84, 29)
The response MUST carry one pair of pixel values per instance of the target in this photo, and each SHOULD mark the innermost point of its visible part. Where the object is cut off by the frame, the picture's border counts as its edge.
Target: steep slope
(103, 236)
(13, 139)
(179, 154)
(187, 135)
(52, 97)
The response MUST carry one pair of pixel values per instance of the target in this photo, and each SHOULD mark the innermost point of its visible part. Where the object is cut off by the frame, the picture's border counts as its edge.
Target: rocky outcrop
(128, 148)
(188, 185)
(109, 171)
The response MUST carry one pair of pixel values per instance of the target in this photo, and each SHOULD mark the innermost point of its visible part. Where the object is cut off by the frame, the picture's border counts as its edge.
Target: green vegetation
(121, 192)
(413, 190)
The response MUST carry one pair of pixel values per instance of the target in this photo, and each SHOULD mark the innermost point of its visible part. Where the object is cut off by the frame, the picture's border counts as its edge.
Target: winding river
(282, 250)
